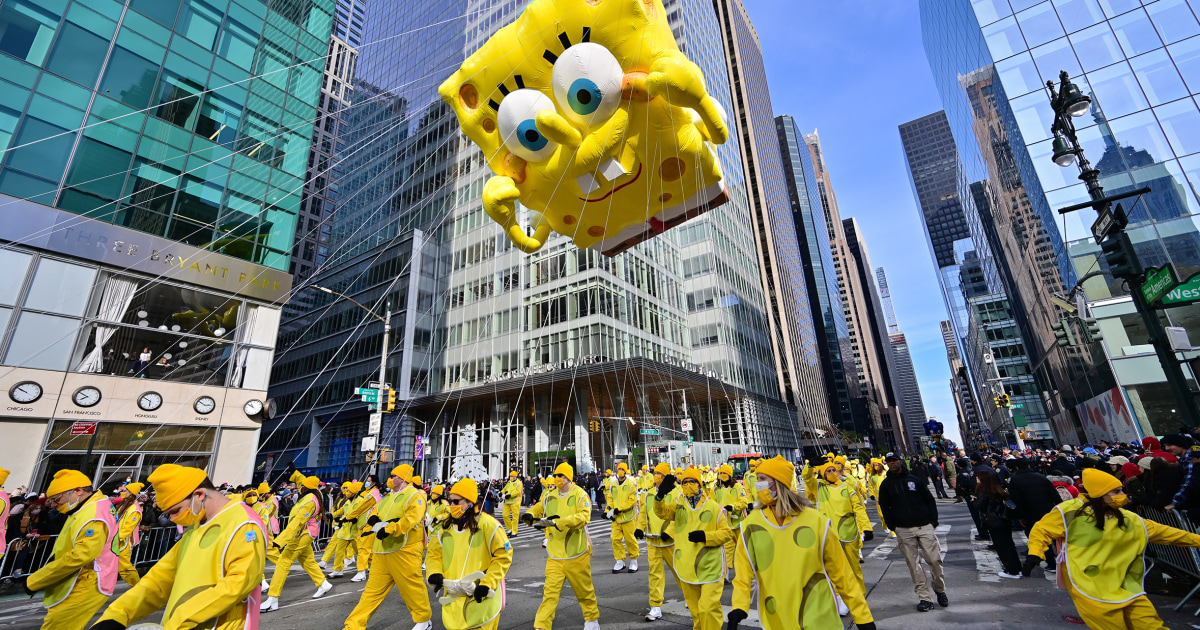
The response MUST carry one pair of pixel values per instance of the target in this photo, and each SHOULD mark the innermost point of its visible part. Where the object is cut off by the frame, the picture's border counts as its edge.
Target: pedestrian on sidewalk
(911, 511)
(1034, 495)
(996, 512)
(935, 475)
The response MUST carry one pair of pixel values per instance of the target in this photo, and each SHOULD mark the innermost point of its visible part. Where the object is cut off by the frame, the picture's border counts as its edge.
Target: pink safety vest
(314, 526)
(255, 598)
(4, 509)
(107, 564)
(274, 515)
(137, 531)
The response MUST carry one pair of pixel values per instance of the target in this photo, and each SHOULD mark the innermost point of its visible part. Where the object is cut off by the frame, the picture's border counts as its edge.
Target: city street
(979, 599)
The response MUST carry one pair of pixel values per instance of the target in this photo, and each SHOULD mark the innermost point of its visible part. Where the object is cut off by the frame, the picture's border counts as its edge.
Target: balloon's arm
(675, 78)
(499, 201)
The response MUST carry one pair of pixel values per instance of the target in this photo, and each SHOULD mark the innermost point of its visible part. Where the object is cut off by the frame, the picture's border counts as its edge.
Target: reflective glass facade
(188, 119)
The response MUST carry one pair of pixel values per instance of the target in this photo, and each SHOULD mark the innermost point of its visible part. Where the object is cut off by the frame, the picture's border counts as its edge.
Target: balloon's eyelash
(566, 42)
(504, 91)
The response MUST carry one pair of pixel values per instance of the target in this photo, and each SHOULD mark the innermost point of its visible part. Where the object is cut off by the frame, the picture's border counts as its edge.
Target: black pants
(940, 487)
(975, 517)
(1051, 560)
(1006, 549)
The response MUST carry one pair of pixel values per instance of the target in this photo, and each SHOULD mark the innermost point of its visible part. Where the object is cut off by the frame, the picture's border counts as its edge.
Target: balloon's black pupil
(584, 96)
(531, 135)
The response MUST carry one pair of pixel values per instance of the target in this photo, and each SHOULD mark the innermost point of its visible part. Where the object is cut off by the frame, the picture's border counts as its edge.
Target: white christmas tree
(468, 462)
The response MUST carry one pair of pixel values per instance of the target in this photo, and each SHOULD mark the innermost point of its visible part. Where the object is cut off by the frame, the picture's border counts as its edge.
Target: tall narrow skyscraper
(907, 387)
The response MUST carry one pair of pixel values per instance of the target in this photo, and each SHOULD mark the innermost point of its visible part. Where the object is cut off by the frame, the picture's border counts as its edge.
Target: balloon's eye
(517, 122)
(587, 84)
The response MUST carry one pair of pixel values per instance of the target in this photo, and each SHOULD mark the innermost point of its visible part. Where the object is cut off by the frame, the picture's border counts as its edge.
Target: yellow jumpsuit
(486, 550)
(397, 559)
(72, 571)
(296, 543)
(793, 564)
(570, 554)
(336, 544)
(218, 581)
(660, 545)
(512, 504)
(734, 497)
(623, 501)
(1112, 599)
(844, 506)
(126, 528)
(873, 483)
(699, 567)
(343, 544)
(364, 540)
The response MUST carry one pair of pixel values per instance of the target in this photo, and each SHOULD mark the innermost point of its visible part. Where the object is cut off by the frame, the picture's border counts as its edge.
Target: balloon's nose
(634, 87)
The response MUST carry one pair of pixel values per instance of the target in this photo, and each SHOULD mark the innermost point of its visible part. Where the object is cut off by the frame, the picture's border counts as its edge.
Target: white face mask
(761, 484)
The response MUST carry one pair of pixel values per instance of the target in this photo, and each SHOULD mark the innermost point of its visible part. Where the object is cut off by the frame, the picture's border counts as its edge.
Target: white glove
(543, 523)
(608, 514)
(462, 587)
(378, 527)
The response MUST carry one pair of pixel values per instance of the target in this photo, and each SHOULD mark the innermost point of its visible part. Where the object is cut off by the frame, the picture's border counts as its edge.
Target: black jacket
(905, 501)
(1034, 494)
(1062, 467)
(919, 470)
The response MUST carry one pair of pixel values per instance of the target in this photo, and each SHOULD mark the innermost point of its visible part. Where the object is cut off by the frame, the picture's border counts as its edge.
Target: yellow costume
(608, 157)
(839, 500)
(399, 549)
(342, 545)
(1105, 567)
(622, 493)
(735, 500)
(874, 480)
(457, 553)
(129, 533)
(209, 579)
(793, 564)
(436, 512)
(570, 550)
(512, 502)
(83, 572)
(660, 543)
(294, 544)
(364, 542)
(701, 530)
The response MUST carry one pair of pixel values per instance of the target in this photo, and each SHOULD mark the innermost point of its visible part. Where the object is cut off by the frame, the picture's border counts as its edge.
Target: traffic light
(1063, 332)
(1091, 330)
(1119, 254)
(594, 426)
(996, 400)
(390, 403)
(1004, 401)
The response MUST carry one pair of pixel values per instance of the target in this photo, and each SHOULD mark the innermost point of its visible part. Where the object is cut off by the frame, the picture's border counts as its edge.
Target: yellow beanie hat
(780, 470)
(355, 487)
(346, 486)
(609, 471)
(3, 476)
(690, 473)
(467, 489)
(173, 483)
(437, 490)
(726, 469)
(263, 488)
(663, 468)
(1097, 483)
(623, 466)
(416, 480)
(311, 482)
(67, 479)
(512, 473)
(296, 477)
(134, 487)
(403, 471)
(565, 469)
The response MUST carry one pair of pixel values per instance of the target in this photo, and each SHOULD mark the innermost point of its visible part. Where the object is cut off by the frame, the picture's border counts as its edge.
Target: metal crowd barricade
(1185, 560)
(24, 556)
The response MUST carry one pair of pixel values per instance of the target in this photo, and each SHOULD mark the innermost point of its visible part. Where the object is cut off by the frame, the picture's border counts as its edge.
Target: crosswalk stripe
(987, 563)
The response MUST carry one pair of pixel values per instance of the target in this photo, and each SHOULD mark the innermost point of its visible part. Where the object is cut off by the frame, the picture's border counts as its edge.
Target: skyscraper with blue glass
(991, 60)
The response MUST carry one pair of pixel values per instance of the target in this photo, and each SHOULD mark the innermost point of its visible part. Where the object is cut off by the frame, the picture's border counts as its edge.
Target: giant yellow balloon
(588, 114)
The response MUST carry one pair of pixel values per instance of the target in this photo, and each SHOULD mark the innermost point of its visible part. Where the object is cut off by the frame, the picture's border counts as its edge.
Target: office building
(794, 333)
(907, 387)
(155, 158)
(966, 405)
(820, 275)
(562, 354)
(990, 61)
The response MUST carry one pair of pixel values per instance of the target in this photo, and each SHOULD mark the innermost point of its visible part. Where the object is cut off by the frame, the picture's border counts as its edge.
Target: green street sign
(649, 431)
(1018, 405)
(1186, 292)
(371, 397)
(366, 391)
(1159, 282)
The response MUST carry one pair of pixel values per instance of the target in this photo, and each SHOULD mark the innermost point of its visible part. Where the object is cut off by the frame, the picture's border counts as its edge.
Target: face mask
(561, 482)
(251, 500)
(457, 511)
(691, 489)
(66, 506)
(1118, 501)
(189, 517)
(658, 479)
(763, 492)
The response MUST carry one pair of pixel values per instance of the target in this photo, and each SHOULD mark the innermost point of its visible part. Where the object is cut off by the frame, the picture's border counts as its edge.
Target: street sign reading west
(1159, 282)
(1184, 293)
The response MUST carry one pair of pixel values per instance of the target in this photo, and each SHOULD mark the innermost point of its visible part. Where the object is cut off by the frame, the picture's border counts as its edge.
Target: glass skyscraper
(1139, 63)
(185, 119)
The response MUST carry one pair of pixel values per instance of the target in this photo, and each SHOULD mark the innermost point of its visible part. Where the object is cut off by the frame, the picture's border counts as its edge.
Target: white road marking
(986, 562)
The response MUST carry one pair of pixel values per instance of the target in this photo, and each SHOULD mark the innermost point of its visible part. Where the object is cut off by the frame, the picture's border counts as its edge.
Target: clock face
(204, 405)
(253, 407)
(272, 408)
(86, 396)
(25, 392)
(150, 401)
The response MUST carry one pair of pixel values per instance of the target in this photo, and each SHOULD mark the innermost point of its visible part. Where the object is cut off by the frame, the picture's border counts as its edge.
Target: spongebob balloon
(588, 113)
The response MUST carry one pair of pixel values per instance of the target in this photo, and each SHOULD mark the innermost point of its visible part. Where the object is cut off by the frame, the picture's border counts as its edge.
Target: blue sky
(855, 70)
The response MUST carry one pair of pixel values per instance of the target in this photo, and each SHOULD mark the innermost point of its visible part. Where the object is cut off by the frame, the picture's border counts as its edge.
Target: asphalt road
(979, 599)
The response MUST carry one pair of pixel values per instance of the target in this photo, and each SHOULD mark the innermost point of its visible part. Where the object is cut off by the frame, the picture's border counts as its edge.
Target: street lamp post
(387, 329)
(1068, 103)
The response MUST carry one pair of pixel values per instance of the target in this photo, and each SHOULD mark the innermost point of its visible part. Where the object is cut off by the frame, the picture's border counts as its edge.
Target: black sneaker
(943, 601)
(982, 537)
(925, 606)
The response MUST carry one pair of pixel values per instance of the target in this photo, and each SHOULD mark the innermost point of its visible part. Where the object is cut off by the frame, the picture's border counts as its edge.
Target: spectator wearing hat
(911, 511)
(1034, 495)
(1178, 444)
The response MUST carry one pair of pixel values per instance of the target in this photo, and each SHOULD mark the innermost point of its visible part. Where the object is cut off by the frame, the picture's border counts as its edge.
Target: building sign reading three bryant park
(49, 229)
(587, 360)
